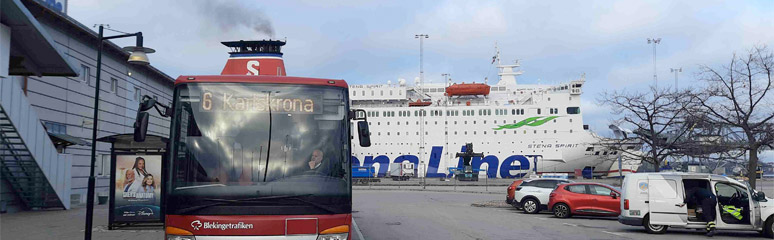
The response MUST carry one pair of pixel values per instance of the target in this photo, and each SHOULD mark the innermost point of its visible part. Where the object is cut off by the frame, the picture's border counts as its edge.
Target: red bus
(262, 156)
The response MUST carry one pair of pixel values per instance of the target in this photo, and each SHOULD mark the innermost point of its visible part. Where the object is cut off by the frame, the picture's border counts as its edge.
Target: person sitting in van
(707, 200)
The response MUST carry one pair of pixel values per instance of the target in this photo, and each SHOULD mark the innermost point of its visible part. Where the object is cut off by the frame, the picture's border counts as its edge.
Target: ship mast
(422, 112)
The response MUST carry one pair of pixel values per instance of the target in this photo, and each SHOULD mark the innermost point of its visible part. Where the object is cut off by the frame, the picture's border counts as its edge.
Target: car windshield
(245, 141)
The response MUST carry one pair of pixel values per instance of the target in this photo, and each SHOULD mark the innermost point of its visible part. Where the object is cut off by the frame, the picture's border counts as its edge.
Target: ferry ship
(522, 129)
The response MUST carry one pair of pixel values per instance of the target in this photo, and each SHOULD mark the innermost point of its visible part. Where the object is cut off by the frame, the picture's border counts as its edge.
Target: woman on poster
(139, 172)
(148, 188)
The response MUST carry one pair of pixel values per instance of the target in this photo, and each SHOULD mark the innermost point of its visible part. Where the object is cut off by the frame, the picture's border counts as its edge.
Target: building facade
(64, 104)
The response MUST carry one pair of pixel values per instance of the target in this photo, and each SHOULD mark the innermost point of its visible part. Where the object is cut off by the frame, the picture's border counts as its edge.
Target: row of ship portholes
(446, 122)
(466, 132)
(401, 153)
(469, 112)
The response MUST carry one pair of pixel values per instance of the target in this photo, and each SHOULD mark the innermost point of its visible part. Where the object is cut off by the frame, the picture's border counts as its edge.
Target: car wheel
(653, 229)
(531, 206)
(768, 228)
(561, 210)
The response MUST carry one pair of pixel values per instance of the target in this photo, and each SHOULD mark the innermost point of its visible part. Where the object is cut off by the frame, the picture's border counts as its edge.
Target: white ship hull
(519, 129)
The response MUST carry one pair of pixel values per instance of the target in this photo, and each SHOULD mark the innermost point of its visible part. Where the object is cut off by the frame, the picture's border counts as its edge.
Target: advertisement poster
(137, 192)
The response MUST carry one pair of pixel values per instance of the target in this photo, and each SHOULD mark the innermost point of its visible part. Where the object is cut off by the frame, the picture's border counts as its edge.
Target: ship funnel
(262, 57)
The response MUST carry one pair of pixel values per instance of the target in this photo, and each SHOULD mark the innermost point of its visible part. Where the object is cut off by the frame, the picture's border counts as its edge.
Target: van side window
(726, 191)
(662, 188)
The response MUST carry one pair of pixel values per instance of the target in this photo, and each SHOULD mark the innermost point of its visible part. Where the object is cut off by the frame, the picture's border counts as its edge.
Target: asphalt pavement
(391, 210)
(399, 214)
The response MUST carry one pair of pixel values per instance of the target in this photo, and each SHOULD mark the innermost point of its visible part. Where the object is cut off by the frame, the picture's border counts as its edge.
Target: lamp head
(139, 55)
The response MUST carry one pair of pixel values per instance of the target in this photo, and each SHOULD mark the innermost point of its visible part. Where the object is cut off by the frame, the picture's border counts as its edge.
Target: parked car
(655, 201)
(509, 194)
(532, 194)
(585, 199)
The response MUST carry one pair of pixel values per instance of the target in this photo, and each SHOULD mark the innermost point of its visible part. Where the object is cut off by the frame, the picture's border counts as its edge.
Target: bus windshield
(259, 148)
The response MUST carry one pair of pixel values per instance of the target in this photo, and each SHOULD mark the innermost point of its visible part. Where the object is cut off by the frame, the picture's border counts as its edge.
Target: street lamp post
(676, 70)
(422, 111)
(137, 56)
(654, 41)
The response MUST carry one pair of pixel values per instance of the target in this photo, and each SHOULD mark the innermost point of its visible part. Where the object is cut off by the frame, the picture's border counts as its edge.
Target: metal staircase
(28, 160)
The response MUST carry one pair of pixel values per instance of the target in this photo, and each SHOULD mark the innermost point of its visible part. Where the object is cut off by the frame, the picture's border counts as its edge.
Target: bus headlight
(178, 237)
(335, 236)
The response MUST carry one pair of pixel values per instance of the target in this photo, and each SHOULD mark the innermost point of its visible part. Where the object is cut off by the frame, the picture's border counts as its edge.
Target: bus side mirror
(147, 103)
(363, 134)
(141, 126)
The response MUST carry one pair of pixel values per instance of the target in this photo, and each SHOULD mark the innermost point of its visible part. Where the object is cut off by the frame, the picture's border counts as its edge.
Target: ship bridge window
(573, 110)
(589, 149)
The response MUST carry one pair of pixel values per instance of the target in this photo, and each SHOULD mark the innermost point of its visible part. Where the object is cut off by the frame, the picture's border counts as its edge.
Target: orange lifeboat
(420, 103)
(467, 89)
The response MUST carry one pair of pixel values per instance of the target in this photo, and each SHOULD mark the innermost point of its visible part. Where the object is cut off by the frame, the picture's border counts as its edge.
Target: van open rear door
(665, 197)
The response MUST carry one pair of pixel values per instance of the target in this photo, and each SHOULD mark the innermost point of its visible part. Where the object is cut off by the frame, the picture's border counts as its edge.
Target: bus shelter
(136, 189)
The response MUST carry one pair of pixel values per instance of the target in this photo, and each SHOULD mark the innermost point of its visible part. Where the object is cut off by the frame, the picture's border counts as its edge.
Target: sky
(368, 42)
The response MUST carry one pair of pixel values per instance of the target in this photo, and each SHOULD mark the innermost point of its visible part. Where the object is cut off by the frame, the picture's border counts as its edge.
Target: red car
(585, 199)
(512, 191)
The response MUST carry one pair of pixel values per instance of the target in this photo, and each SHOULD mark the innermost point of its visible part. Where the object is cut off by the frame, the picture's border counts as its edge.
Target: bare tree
(657, 117)
(714, 145)
(738, 95)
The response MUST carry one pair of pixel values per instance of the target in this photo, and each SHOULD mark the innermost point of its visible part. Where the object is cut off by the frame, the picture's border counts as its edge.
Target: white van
(655, 201)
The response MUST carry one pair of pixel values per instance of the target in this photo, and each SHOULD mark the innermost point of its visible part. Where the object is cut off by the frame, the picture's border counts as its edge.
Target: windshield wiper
(255, 199)
(268, 149)
(200, 186)
(220, 202)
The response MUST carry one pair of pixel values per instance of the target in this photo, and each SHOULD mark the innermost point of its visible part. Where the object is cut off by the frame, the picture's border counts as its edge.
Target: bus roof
(259, 79)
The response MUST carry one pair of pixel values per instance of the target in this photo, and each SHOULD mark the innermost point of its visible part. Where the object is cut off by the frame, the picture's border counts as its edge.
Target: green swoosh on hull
(533, 121)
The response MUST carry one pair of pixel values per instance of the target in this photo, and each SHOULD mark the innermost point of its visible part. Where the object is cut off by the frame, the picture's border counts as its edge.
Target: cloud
(371, 42)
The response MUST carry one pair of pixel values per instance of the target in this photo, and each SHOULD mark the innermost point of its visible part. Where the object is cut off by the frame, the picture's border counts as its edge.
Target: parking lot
(413, 214)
